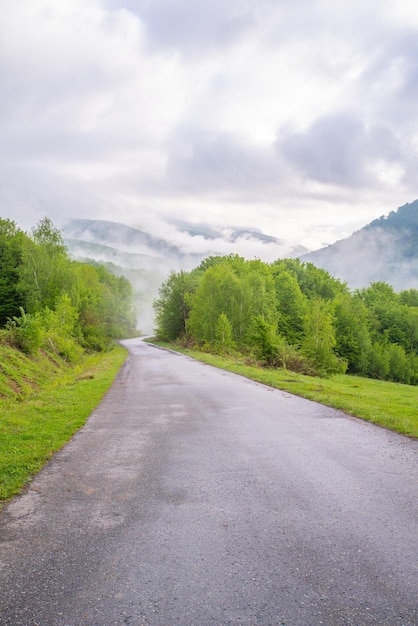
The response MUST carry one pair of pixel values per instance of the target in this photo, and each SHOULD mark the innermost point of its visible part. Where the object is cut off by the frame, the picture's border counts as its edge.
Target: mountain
(229, 234)
(384, 250)
(147, 260)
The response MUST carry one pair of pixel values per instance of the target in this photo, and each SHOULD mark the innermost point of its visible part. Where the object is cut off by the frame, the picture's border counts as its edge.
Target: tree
(352, 335)
(172, 307)
(379, 361)
(224, 342)
(104, 305)
(45, 272)
(219, 291)
(240, 289)
(291, 307)
(260, 300)
(11, 243)
(393, 320)
(319, 341)
(264, 340)
(409, 297)
(318, 283)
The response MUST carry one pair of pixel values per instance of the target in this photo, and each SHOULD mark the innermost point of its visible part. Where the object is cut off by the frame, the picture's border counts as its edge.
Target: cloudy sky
(295, 117)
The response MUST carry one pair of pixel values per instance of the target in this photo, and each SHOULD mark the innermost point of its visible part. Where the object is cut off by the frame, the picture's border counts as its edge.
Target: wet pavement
(196, 497)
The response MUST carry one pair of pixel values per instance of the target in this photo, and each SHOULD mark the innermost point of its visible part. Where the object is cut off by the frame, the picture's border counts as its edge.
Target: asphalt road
(195, 497)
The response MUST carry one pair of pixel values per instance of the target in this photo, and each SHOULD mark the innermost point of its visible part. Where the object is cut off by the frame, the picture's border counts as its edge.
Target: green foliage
(11, 242)
(318, 283)
(264, 341)
(240, 289)
(219, 291)
(46, 299)
(393, 319)
(224, 342)
(32, 429)
(291, 306)
(59, 326)
(409, 297)
(293, 315)
(173, 304)
(378, 361)
(319, 340)
(25, 332)
(353, 342)
(45, 271)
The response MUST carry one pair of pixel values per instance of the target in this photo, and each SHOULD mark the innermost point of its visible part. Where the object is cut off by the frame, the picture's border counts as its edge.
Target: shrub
(25, 332)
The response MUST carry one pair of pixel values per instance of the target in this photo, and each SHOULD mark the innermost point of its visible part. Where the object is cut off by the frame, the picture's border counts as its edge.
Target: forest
(292, 315)
(48, 300)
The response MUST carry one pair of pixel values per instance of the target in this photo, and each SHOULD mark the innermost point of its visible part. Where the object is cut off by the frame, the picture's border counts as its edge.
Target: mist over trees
(385, 249)
(48, 300)
(294, 315)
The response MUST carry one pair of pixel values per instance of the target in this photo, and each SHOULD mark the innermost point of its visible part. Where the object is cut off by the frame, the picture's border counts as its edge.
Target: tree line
(48, 300)
(293, 315)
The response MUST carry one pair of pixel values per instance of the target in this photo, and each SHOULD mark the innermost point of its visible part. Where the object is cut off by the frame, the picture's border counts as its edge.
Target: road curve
(195, 497)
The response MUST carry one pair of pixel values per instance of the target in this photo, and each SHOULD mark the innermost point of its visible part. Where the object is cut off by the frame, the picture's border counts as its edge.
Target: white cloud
(298, 118)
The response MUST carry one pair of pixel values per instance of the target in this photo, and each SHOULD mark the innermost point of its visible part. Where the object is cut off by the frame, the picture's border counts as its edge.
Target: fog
(147, 260)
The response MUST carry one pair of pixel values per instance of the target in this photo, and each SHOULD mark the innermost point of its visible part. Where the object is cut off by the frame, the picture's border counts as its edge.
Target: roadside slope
(43, 401)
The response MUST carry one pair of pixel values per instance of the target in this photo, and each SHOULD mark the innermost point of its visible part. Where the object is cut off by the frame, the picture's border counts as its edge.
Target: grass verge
(391, 405)
(39, 413)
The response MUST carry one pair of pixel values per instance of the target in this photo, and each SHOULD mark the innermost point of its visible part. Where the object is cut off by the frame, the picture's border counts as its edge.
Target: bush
(25, 332)
(264, 340)
(63, 345)
(290, 358)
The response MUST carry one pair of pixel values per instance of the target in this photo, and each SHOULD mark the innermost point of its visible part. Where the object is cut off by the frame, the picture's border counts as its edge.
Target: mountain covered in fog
(147, 260)
(384, 250)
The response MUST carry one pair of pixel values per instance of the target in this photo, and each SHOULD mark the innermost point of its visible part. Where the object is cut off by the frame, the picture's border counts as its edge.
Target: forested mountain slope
(146, 260)
(384, 250)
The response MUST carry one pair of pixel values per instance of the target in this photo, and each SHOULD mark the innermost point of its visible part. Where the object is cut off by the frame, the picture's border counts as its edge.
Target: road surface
(195, 497)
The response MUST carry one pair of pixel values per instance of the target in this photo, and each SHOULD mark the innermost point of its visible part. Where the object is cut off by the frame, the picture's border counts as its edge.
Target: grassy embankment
(43, 401)
(390, 405)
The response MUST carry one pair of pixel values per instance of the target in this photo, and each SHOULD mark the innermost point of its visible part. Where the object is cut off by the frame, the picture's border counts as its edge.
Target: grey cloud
(173, 103)
(196, 27)
(391, 76)
(56, 145)
(184, 24)
(220, 161)
(28, 193)
(337, 150)
(407, 53)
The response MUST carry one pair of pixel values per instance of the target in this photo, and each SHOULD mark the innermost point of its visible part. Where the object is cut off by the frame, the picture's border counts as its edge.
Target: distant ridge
(384, 250)
(119, 236)
(229, 234)
(147, 260)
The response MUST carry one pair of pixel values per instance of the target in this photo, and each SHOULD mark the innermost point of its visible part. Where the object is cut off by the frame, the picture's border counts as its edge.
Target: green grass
(390, 405)
(43, 403)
